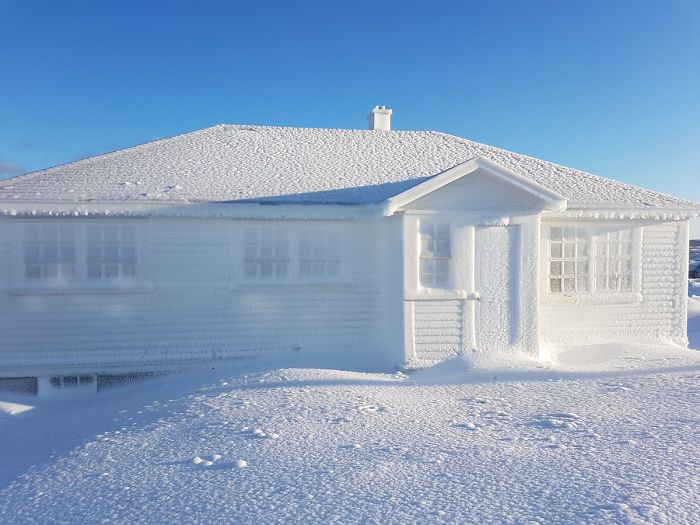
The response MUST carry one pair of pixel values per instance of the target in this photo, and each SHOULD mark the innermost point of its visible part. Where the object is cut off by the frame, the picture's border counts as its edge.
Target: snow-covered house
(235, 240)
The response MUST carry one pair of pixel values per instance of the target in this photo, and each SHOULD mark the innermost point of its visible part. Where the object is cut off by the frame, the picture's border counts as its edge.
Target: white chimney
(380, 118)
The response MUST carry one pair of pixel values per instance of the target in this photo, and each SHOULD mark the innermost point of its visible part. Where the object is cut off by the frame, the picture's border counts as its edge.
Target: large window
(435, 254)
(49, 252)
(266, 252)
(614, 269)
(569, 257)
(319, 256)
(591, 260)
(68, 254)
(111, 251)
(280, 253)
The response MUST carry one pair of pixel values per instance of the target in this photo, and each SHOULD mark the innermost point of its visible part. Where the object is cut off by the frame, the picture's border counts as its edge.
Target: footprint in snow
(207, 461)
(371, 409)
(556, 421)
(258, 433)
(467, 426)
(614, 386)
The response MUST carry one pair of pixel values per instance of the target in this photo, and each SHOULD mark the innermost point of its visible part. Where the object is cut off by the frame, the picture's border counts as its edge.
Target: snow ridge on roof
(228, 163)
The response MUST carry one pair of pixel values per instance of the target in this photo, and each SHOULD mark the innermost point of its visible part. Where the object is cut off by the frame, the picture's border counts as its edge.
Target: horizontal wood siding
(659, 315)
(438, 330)
(195, 311)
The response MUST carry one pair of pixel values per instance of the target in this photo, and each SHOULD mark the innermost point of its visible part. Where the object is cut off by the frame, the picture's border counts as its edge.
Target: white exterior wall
(199, 307)
(658, 313)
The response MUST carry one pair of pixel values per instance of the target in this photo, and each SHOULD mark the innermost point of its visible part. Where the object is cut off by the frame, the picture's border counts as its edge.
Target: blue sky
(608, 87)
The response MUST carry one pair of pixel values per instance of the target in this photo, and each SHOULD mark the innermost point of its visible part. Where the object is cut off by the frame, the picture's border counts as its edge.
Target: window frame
(294, 231)
(434, 224)
(20, 284)
(593, 294)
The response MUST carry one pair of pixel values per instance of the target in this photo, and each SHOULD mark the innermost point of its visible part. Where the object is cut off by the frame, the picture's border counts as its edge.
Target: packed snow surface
(301, 165)
(607, 434)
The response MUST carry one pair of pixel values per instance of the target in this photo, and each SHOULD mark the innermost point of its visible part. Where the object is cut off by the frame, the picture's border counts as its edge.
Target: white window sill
(601, 298)
(435, 294)
(82, 288)
(243, 286)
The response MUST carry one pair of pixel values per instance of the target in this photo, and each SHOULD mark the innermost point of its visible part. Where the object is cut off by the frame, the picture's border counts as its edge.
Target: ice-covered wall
(199, 307)
(489, 303)
(657, 312)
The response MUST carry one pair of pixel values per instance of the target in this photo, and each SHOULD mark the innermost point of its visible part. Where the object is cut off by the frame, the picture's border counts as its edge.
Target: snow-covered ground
(606, 434)
(614, 440)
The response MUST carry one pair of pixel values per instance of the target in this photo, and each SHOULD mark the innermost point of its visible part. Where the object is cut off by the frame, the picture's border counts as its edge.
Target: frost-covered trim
(203, 210)
(658, 214)
(592, 296)
(83, 289)
(550, 199)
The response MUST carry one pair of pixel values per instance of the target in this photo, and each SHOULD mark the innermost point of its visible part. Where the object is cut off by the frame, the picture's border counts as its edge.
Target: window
(613, 261)
(266, 252)
(49, 252)
(592, 260)
(569, 260)
(319, 256)
(69, 256)
(435, 254)
(111, 251)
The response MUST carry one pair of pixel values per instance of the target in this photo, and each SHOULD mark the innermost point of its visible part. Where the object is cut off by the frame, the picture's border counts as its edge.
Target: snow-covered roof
(228, 163)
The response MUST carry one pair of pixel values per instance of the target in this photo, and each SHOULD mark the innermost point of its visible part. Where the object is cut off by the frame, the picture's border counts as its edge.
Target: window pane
(111, 253)
(129, 271)
(111, 271)
(32, 271)
(49, 233)
(31, 233)
(94, 271)
(569, 268)
(281, 269)
(50, 271)
(94, 253)
(265, 269)
(50, 252)
(93, 234)
(569, 249)
(555, 268)
(67, 253)
(305, 268)
(250, 269)
(556, 250)
(435, 253)
(555, 234)
(569, 285)
(31, 253)
(110, 234)
(555, 285)
(67, 271)
(128, 253)
(442, 248)
(66, 233)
